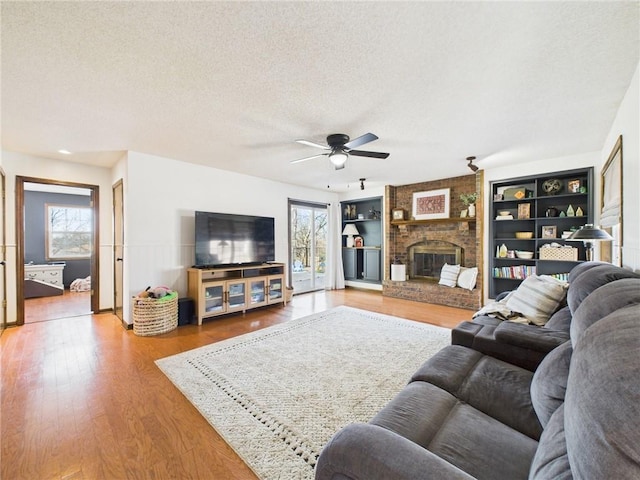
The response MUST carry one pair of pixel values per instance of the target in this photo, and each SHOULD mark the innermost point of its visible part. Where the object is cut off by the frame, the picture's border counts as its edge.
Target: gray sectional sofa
(527, 345)
(465, 414)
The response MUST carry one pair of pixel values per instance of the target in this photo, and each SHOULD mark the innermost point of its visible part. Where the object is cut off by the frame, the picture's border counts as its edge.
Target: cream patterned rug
(279, 394)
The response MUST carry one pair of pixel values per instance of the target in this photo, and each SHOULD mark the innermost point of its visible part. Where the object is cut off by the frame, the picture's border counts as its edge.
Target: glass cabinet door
(237, 295)
(257, 289)
(213, 298)
(275, 289)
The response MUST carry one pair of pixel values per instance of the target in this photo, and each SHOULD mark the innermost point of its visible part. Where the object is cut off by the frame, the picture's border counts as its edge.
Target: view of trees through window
(68, 231)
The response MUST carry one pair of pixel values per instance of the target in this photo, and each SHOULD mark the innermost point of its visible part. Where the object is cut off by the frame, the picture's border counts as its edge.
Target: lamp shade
(590, 232)
(350, 229)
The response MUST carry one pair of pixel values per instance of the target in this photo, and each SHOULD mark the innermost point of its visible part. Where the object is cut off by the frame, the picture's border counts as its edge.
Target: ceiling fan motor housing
(337, 140)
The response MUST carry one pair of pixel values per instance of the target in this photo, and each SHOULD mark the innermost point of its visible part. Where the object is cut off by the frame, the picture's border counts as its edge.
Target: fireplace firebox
(427, 258)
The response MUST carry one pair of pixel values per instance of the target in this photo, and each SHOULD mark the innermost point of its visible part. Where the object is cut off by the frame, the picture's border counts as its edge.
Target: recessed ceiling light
(65, 152)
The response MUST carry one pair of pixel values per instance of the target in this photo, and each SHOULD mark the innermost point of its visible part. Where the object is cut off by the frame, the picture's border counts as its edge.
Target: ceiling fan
(339, 148)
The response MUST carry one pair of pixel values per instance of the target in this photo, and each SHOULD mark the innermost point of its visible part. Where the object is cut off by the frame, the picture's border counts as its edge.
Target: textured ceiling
(233, 84)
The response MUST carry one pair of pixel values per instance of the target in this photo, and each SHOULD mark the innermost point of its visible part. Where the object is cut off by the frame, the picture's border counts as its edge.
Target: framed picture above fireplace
(432, 204)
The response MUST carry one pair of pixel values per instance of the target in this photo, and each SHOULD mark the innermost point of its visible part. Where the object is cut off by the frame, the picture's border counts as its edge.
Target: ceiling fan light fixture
(338, 158)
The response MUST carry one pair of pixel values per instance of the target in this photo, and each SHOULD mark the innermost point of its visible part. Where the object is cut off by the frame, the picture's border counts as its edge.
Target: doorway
(308, 227)
(55, 233)
(3, 255)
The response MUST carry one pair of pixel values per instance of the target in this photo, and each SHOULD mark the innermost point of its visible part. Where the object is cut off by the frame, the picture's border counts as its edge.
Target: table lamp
(588, 234)
(350, 230)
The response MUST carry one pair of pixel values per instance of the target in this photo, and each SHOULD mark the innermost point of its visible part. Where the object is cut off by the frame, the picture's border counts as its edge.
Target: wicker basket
(153, 316)
(566, 254)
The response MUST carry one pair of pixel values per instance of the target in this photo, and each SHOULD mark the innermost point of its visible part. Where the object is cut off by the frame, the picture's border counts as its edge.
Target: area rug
(279, 394)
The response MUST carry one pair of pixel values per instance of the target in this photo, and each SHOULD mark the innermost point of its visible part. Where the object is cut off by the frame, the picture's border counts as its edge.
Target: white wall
(161, 196)
(17, 164)
(627, 124)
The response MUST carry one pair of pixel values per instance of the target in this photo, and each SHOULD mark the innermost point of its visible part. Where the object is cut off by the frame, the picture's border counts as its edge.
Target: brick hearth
(466, 235)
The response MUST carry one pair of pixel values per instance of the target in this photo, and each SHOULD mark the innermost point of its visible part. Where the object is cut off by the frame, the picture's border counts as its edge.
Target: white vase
(472, 210)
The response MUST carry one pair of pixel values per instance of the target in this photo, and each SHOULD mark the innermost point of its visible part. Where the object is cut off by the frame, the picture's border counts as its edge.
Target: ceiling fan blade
(313, 144)
(362, 153)
(309, 158)
(361, 140)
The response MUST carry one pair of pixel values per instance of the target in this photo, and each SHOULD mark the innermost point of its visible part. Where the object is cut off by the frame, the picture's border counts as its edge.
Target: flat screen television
(224, 239)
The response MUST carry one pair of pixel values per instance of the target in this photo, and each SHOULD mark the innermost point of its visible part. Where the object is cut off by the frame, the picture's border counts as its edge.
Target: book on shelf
(515, 272)
(504, 217)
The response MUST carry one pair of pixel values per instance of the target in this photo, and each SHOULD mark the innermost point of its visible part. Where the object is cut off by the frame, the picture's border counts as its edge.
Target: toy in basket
(155, 311)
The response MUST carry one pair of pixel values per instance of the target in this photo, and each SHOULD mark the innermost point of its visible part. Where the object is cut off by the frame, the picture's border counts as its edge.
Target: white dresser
(43, 280)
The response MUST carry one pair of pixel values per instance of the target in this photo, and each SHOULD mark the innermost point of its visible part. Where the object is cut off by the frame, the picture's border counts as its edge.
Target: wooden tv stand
(218, 291)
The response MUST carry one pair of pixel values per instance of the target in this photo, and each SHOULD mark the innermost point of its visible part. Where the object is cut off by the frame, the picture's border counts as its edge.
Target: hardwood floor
(69, 304)
(83, 399)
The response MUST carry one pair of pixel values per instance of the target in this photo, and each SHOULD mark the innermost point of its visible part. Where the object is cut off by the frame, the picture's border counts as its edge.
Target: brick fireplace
(424, 246)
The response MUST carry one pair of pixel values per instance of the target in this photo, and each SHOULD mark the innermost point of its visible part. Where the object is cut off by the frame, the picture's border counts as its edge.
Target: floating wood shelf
(435, 220)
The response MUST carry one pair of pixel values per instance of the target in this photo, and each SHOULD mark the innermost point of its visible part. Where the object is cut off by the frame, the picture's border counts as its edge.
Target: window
(68, 232)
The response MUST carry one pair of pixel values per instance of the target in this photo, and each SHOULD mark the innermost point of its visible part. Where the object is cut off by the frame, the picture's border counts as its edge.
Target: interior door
(3, 255)
(118, 249)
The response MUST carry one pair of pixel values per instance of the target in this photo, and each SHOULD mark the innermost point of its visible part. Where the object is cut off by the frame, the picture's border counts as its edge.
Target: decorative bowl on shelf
(524, 254)
(524, 235)
(504, 213)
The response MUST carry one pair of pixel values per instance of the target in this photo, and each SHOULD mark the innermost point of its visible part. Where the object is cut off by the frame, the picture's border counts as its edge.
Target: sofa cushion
(417, 412)
(465, 437)
(464, 333)
(448, 368)
(551, 459)
(530, 336)
(482, 446)
(537, 298)
(487, 343)
(549, 383)
(365, 451)
(492, 386)
(580, 268)
(602, 301)
(598, 275)
(602, 404)
(561, 320)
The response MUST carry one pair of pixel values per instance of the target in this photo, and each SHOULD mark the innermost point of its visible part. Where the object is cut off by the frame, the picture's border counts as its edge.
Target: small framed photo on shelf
(524, 211)
(573, 186)
(549, 231)
(397, 214)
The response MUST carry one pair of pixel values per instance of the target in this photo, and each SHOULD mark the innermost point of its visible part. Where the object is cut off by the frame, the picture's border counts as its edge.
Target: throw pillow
(449, 275)
(537, 298)
(467, 277)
